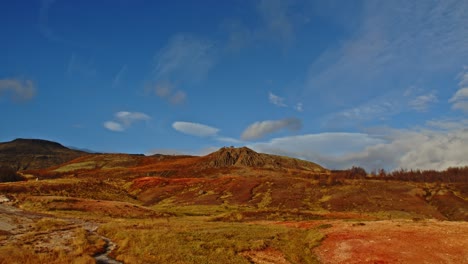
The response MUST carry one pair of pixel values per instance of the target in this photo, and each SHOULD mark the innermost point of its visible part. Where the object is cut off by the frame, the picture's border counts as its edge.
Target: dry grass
(196, 240)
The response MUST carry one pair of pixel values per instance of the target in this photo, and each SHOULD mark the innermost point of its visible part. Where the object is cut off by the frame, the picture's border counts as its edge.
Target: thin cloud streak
(261, 129)
(195, 129)
(118, 77)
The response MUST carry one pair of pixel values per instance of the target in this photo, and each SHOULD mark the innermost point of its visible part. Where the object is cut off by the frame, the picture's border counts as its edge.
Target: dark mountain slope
(22, 154)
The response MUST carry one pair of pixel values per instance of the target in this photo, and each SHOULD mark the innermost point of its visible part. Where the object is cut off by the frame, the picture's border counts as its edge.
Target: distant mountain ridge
(30, 154)
(22, 154)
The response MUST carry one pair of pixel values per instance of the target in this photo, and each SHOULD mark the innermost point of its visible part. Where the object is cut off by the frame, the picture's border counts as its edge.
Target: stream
(104, 258)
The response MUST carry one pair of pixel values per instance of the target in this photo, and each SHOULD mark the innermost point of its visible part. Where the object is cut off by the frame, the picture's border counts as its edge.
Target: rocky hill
(245, 157)
(22, 154)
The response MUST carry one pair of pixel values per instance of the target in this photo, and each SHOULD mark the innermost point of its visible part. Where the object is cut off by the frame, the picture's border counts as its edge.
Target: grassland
(169, 209)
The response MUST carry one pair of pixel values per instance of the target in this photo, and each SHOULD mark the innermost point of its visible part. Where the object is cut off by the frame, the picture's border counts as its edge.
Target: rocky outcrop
(245, 157)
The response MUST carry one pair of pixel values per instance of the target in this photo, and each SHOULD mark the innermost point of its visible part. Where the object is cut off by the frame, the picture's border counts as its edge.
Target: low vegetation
(195, 240)
(232, 206)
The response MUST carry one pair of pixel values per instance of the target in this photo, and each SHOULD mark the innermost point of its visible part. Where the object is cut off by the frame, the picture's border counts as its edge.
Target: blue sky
(378, 84)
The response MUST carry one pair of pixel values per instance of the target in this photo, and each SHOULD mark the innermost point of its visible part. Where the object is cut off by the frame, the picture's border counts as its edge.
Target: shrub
(8, 174)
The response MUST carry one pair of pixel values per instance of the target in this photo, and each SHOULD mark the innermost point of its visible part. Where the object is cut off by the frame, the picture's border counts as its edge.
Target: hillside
(23, 154)
(231, 206)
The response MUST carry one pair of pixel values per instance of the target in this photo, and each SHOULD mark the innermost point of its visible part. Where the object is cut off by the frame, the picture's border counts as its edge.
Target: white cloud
(20, 89)
(463, 76)
(423, 149)
(422, 102)
(460, 99)
(299, 107)
(195, 129)
(123, 120)
(127, 118)
(260, 129)
(113, 126)
(276, 100)
(461, 94)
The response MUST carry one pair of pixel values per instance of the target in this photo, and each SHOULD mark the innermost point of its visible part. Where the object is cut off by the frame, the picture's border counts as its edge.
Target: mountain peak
(231, 156)
(245, 157)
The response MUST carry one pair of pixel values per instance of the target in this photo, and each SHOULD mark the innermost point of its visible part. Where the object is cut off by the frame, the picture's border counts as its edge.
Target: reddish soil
(395, 242)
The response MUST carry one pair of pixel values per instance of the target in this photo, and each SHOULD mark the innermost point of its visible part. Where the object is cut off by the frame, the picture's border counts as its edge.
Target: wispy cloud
(22, 90)
(377, 108)
(44, 21)
(239, 36)
(118, 77)
(195, 129)
(80, 66)
(184, 60)
(185, 57)
(460, 99)
(383, 107)
(276, 100)
(299, 107)
(448, 124)
(463, 76)
(280, 102)
(277, 19)
(166, 90)
(422, 102)
(123, 120)
(260, 129)
(394, 38)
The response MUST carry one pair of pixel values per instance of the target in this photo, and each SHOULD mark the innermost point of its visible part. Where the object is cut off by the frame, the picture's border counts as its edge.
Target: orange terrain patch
(395, 242)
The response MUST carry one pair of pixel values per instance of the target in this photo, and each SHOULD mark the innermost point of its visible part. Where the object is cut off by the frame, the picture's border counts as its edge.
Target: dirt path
(16, 223)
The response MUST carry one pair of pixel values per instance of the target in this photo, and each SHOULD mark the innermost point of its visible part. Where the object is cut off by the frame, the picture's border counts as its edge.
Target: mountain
(22, 154)
(245, 157)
